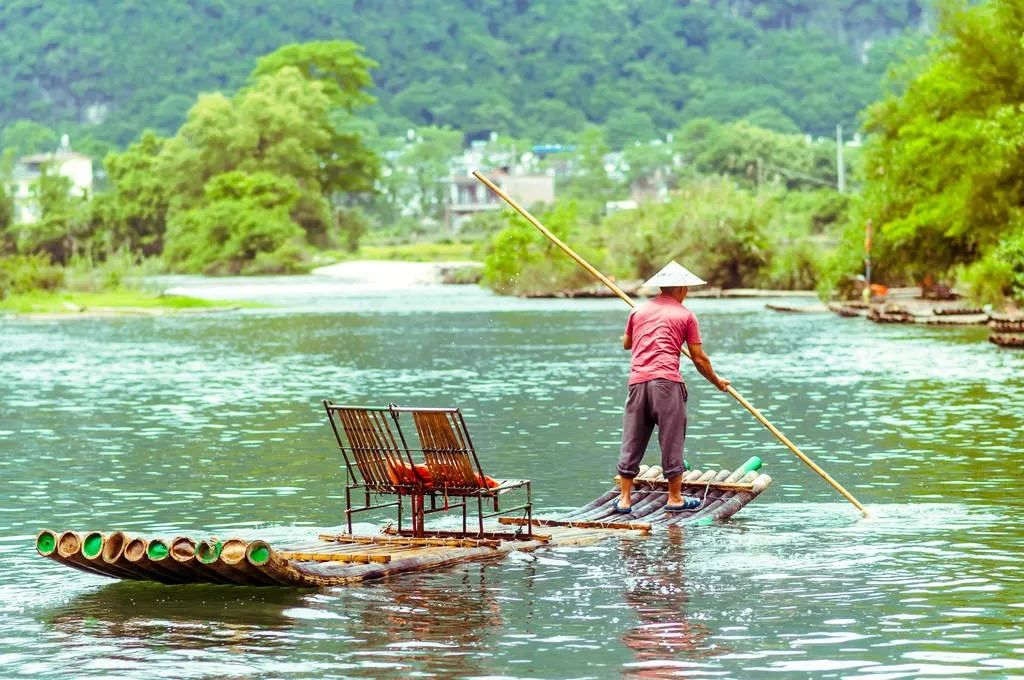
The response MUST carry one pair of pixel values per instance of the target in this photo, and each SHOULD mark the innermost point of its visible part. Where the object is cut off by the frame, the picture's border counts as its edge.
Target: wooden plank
(724, 486)
(578, 524)
(449, 542)
(362, 558)
(494, 535)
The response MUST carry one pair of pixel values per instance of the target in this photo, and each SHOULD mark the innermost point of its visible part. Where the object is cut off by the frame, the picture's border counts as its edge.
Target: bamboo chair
(376, 461)
(455, 469)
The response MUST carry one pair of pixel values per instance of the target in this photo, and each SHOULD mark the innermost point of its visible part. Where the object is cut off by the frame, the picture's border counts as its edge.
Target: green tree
(63, 228)
(589, 180)
(338, 65)
(420, 167)
(132, 215)
(27, 136)
(242, 225)
(282, 125)
(943, 165)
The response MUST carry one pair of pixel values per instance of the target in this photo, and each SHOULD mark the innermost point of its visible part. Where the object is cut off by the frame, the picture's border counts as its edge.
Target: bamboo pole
(625, 298)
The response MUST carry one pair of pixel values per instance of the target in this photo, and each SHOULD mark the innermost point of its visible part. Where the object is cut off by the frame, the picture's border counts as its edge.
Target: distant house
(465, 195)
(27, 171)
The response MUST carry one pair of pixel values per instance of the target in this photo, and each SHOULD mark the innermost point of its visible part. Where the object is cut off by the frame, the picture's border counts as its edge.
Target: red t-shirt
(659, 327)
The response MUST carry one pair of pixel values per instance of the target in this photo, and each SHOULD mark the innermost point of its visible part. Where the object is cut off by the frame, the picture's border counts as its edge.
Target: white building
(466, 196)
(25, 178)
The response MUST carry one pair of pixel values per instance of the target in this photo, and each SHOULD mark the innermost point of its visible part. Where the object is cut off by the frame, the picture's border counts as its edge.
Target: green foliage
(1000, 273)
(133, 214)
(710, 225)
(520, 260)
(731, 236)
(6, 211)
(755, 156)
(26, 273)
(589, 181)
(415, 169)
(240, 217)
(535, 70)
(63, 228)
(339, 66)
(943, 166)
(23, 137)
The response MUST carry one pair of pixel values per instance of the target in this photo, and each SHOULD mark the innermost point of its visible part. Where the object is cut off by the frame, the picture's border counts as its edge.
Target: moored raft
(343, 559)
(1007, 330)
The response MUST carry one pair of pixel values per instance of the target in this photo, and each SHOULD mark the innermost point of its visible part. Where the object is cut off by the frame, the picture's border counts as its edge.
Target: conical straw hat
(675, 274)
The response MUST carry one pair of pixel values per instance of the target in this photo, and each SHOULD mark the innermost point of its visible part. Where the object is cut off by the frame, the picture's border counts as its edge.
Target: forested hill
(538, 70)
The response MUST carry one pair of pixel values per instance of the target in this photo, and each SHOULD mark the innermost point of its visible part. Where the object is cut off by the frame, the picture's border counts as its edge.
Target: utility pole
(840, 166)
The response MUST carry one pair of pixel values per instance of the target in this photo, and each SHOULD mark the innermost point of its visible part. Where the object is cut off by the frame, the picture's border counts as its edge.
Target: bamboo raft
(1007, 330)
(346, 558)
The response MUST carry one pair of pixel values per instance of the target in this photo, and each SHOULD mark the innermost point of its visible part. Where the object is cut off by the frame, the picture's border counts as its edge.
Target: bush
(288, 259)
(999, 274)
(27, 273)
(244, 216)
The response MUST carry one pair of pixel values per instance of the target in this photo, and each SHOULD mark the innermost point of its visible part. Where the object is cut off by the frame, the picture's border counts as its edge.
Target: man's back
(658, 329)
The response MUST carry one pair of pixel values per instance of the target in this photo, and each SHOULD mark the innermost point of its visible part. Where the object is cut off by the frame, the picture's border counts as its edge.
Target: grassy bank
(124, 301)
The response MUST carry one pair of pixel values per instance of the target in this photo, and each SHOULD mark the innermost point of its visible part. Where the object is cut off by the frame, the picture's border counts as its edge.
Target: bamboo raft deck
(344, 559)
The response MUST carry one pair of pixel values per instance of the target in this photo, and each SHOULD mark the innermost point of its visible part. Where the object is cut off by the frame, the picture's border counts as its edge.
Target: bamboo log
(207, 552)
(182, 551)
(232, 555)
(46, 542)
(134, 553)
(259, 555)
(93, 545)
(113, 556)
(68, 552)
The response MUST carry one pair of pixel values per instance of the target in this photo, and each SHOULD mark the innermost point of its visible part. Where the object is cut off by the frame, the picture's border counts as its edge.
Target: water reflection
(666, 638)
(130, 627)
(427, 624)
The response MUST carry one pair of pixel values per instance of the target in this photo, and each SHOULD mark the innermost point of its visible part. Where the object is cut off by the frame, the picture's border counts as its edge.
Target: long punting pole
(625, 298)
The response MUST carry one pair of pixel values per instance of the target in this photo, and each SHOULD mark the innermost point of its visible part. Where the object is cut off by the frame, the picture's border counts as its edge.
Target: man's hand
(703, 365)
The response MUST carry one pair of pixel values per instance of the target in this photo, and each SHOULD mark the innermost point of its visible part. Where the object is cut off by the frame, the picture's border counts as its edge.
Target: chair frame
(373, 438)
(461, 444)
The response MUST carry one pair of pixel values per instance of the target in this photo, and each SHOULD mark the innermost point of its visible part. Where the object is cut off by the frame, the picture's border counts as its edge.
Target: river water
(213, 424)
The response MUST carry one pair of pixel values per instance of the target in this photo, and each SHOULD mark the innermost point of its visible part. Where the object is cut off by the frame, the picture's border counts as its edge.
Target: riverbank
(122, 302)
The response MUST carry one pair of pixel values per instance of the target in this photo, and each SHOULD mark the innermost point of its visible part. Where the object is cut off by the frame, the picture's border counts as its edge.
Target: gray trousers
(655, 402)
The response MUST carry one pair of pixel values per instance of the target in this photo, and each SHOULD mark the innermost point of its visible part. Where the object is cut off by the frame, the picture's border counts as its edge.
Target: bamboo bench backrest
(447, 449)
(371, 442)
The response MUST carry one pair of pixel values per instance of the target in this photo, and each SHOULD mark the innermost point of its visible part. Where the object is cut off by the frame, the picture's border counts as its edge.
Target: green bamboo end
(92, 546)
(753, 463)
(258, 553)
(207, 552)
(46, 542)
(157, 550)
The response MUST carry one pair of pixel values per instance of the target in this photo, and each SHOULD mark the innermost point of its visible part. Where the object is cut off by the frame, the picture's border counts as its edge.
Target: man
(655, 332)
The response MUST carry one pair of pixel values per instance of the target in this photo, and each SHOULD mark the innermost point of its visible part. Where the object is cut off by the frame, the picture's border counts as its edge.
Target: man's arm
(703, 364)
(627, 341)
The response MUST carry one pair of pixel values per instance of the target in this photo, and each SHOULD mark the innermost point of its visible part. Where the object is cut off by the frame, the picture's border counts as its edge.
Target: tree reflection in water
(665, 642)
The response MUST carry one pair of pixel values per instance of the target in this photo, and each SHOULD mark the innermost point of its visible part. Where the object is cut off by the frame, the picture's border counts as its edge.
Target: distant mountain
(533, 69)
